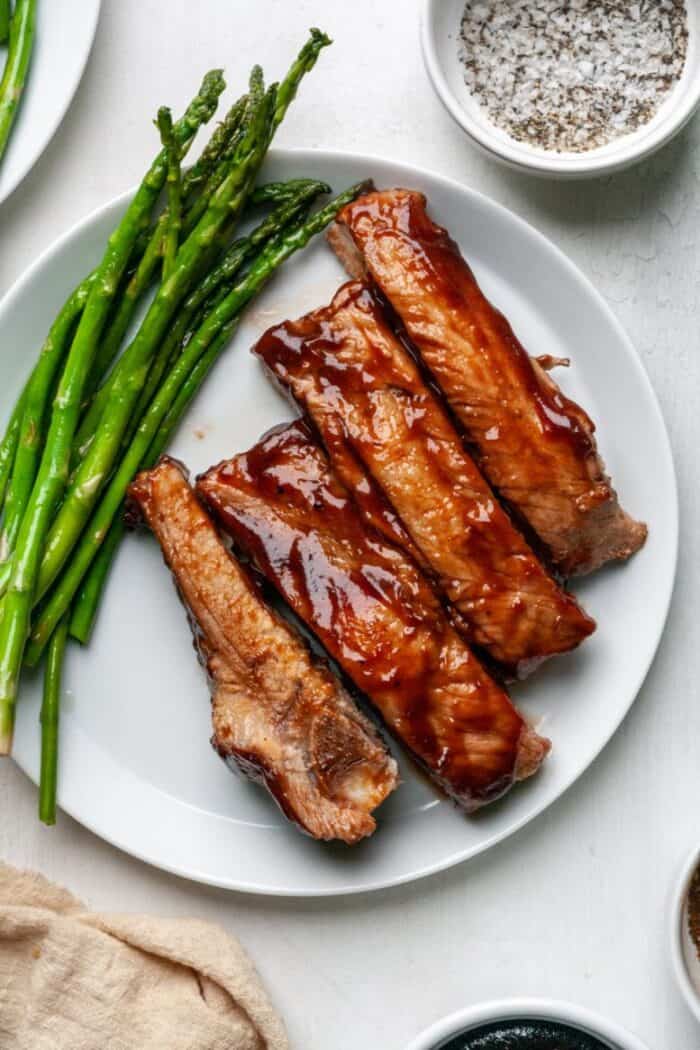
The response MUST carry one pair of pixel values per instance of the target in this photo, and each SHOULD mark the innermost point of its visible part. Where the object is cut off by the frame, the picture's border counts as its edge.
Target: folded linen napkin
(74, 980)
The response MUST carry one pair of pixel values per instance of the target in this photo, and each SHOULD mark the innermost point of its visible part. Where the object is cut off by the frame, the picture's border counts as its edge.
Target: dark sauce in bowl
(524, 1035)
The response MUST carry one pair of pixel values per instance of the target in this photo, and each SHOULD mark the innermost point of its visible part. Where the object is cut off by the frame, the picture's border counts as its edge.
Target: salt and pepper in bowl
(567, 90)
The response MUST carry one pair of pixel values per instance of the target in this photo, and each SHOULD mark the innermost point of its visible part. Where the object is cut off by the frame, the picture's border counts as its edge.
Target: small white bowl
(683, 955)
(527, 1009)
(440, 28)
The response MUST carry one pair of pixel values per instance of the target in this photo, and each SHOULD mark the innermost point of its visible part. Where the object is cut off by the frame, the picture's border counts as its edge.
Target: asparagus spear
(286, 93)
(8, 446)
(195, 251)
(278, 192)
(21, 43)
(53, 470)
(228, 155)
(305, 62)
(173, 224)
(272, 192)
(29, 446)
(234, 259)
(141, 280)
(151, 435)
(5, 17)
(86, 603)
(222, 136)
(217, 164)
(99, 459)
(10, 440)
(50, 712)
(32, 426)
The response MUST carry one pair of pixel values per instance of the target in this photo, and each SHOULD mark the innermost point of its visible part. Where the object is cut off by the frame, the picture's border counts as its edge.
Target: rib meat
(536, 447)
(279, 717)
(370, 404)
(376, 614)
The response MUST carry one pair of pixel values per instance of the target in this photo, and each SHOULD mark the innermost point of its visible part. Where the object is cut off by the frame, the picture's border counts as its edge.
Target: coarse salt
(572, 75)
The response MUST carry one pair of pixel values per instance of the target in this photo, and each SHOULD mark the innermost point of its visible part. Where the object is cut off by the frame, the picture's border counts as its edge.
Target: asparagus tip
(164, 119)
(320, 38)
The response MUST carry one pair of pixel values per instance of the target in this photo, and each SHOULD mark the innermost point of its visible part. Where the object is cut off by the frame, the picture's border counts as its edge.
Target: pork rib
(279, 717)
(376, 614)
(368, 400)
(536, 447)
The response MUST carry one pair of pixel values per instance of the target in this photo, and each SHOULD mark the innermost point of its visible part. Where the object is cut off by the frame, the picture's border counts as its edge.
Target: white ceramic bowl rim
(631, 149)
(540, 1009)
(678, 900)
(8, 184)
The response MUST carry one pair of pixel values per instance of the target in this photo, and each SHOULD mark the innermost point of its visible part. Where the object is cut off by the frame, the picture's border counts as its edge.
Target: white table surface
(575, 906)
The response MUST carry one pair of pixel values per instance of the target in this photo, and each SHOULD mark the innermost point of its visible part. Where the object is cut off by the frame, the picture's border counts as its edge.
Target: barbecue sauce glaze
(374, 612)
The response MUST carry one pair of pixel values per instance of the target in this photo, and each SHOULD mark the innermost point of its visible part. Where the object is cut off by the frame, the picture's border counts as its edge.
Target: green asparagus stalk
(86, 604)
(286, 93)
(209, 171)
(5, 17)
(9, 442)
(33, 421)
(21, 44)
(42, 379)
(149, 257)
(223, 135)
(215, 331)
(217, 207)
(87, 600)
(229, 154)
(51, 478)
(187, 393)
(141, 279)
(278, 192)
(296, 190)
(84, 488)
(8, 446)
(234, 259)
(50, 713)
(173, 224)
(305, 62)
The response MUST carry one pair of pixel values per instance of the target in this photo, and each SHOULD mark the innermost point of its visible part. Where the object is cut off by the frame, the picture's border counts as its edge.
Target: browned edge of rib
(279, 716)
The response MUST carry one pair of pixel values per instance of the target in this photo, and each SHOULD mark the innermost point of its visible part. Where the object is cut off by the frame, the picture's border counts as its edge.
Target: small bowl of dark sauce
(526, 1024)
(685, 932)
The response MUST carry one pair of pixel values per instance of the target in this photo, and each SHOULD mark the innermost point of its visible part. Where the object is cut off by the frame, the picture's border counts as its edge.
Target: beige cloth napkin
(74, 980)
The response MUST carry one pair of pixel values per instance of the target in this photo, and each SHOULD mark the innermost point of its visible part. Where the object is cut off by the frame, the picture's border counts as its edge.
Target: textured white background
(574, 906)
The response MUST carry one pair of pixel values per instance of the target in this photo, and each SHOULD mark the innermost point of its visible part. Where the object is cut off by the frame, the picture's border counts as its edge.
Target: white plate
(136, 764)
(65, 30)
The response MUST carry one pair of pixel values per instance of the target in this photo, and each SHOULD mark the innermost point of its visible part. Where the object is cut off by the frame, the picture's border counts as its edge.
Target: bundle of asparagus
(17, 31)
(89, 416)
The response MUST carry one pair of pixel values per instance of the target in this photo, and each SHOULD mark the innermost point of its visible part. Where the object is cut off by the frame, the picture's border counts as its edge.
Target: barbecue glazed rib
(536, 447)
(279, 717)
(376, 614)
(367, 398)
